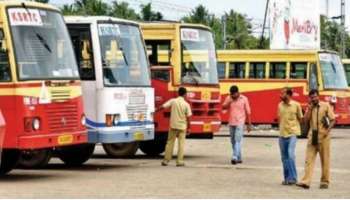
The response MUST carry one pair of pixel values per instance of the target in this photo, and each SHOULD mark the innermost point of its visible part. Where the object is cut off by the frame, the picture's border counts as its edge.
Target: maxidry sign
(294, 24)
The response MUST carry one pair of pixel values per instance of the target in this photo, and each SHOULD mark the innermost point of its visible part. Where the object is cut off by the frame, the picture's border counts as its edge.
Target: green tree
(69, 9)
(201, 15)
(86, 7)
(148, 15)
(122, 10)
(331, 33)
(239, 32)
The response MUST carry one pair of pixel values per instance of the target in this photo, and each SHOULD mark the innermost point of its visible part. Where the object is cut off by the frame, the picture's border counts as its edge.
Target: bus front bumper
(52, 140)
(113, 135)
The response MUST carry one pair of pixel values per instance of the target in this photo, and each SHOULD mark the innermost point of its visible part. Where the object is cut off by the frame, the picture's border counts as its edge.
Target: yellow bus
(346, 63)
(261, 74)
(183, 55)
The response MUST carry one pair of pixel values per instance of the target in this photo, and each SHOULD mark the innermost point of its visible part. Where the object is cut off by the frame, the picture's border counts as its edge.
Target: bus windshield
(198, 57)
(333, 72)
(42, 46)
(123, 55)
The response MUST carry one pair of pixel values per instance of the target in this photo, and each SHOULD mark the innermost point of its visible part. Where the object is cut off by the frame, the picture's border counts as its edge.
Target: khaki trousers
(181, 136)
(323, 148)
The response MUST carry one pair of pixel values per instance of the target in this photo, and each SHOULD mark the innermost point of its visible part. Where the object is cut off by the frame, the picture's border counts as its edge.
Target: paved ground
(208, 174)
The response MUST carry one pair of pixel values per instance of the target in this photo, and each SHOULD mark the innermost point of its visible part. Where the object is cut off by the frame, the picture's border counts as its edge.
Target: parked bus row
(67, 84)
(65, 90)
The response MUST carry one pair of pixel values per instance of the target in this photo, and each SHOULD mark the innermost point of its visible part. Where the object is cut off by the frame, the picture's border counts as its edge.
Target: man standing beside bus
(289, 116)
(239, 112)
(321, 119)
(180, 112)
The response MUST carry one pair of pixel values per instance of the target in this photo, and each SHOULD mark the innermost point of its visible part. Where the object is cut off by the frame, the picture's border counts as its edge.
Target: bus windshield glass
(333, 73)
(123, 55)
(198, 57)
(42, 46)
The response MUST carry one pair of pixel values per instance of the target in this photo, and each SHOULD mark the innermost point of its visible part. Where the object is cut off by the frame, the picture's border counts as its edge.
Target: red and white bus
(261, 74)
(40, 92)
(183, 55)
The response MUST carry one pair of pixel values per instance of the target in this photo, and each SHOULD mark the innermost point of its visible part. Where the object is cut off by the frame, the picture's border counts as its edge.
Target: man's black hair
(289, 91)
(313, 92)
(182, 91)
(234, 89)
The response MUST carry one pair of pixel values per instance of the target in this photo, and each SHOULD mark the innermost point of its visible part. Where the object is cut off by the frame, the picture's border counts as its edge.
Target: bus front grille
(62, 117)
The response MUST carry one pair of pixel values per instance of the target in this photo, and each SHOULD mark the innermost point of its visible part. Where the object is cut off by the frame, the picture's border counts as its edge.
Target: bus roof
(18, 3)
(92, 19)
(267, 51)
(171, 25)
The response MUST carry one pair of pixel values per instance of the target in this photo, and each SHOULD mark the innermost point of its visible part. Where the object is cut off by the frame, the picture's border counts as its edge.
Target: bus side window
(298, 70)
(313, 83)
(161, 75)
(81, 39)
(159, 52)
(237, 70)
(278, 70)
(257, 70)
(5, 72)
(221, 70)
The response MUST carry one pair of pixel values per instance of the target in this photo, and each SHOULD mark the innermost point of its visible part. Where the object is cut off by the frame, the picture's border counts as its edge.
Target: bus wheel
(154, 147)
(120, 150)
(9, 159)
(76, 155)
(34, 158)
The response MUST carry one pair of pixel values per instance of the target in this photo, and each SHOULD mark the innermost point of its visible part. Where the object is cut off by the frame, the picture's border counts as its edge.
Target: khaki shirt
(324, 109)
(289, 115)
(180, 110)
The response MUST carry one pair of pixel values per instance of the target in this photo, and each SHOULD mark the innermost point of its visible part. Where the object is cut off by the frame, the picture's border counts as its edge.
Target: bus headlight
(36, 124)
(116, 119)
(83, 120)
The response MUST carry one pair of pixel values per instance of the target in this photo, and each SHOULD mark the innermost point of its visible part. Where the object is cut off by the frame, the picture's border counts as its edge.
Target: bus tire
(121, 150)
(154, 147)
(9, 160)
(34, 158)
(76, 155)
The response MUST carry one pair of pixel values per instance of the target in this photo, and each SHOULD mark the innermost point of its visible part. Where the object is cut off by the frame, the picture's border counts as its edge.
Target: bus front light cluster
(83, 120)
(32, 124)
(112, 119)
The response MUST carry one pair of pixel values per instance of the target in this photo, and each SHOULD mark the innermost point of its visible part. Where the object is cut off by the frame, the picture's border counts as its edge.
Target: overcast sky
(175, 9)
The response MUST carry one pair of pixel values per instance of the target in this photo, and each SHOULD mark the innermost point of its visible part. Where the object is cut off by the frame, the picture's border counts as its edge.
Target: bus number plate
(65, 139)
(139, 136)
(207, 127)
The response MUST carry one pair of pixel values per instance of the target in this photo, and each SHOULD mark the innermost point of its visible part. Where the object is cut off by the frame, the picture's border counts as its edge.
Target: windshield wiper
(43, 42)
(124, 56)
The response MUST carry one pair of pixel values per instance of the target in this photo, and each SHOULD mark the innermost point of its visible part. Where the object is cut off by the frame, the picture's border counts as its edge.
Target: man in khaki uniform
(321, 119)
(179, 123)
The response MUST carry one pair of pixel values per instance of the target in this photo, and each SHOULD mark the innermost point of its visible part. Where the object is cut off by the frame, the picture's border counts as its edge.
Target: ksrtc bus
(113, 66)
(261, 74)
(183, 55)
(40, 92)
